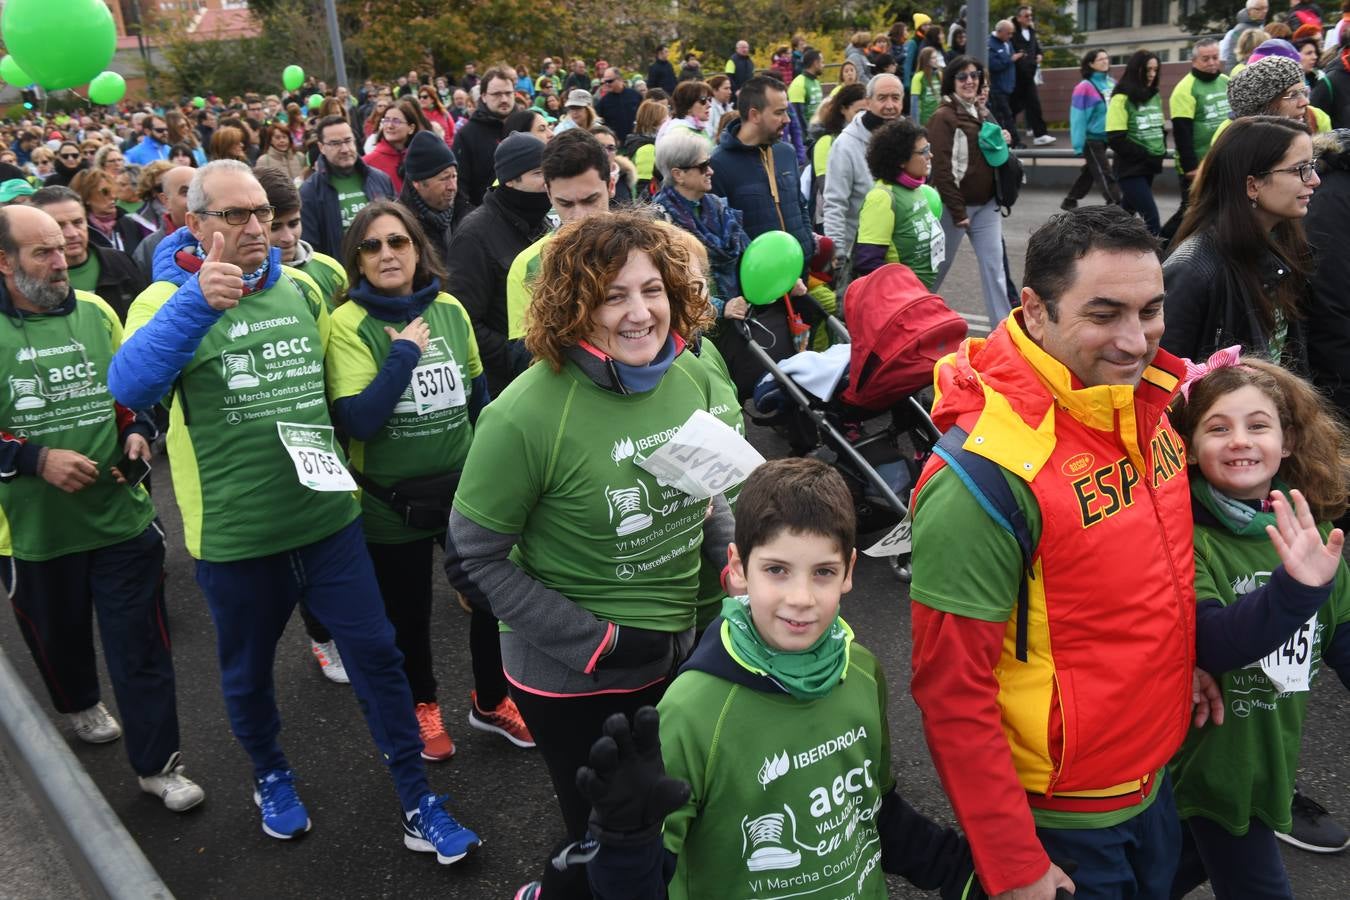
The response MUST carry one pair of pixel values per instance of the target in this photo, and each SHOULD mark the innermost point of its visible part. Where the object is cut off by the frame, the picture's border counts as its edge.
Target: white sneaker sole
(309, 823)
(481, 725)
(89, 738)
(176, 806)
(1311, 848)
(422, 845)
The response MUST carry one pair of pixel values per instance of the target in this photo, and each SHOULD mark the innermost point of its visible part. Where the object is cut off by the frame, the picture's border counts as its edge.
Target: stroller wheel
(900, 568)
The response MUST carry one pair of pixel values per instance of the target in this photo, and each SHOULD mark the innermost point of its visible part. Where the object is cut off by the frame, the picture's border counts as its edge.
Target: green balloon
(108, 88)
(292, 77)
(12, 73)
(934, 199)
(770, 267)
(199, 102)
(60, 44)
(315, 101)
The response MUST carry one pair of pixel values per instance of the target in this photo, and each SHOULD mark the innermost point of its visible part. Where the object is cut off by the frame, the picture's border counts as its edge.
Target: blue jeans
(1136, 193)
(251, 601)
(986, 239)
(1135, 859)
(1248, 867)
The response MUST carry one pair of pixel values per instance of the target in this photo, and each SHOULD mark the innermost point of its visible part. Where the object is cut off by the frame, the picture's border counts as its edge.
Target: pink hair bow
(1219, 359)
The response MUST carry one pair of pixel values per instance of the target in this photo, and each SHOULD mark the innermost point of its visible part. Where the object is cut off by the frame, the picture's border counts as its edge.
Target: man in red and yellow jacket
(1051, 717)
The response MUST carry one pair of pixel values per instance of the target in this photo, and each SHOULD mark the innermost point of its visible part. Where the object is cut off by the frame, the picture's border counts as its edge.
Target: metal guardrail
(1035, 153)
(106, 859)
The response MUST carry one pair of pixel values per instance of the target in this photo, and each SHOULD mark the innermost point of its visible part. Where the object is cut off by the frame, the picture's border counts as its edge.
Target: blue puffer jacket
(740, 177)
(1002, 72)
(144, 369)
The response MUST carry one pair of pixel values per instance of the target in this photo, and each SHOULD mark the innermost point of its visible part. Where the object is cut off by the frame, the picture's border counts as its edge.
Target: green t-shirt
(56, 369)
(900, 220)
(351, 194)
(977, 576)
(553, 462)
(1142, 124)
(820, 154)
(727, 407)
(329, 275)
(1245, 769)
(806, 91)
(409, 445)
(928, 91)
(784, 793)
(261, 364)
(1204, 102)
(84, 277)
(520, 286)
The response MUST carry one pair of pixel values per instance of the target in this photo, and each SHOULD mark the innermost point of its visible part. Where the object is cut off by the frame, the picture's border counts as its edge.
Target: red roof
(224, 24)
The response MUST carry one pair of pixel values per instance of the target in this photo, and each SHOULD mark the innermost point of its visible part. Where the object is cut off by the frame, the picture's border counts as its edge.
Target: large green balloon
(292, 77)
(59, 43)
(934, 199)
(108, 88)
(315, 101)
(770, 267)
(11, 72)
(199, 102)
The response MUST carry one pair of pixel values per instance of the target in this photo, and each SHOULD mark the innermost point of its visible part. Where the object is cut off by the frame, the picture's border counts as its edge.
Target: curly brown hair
(578, 266)
(1319, 444)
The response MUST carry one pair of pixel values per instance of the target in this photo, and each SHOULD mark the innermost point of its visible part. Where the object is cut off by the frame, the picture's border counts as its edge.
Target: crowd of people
(463, 313)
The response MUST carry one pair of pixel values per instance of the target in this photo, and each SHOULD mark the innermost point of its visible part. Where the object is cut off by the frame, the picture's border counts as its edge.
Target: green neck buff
(807, 674)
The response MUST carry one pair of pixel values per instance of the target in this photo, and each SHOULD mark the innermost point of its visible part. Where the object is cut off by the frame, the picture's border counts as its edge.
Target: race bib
(706, 457)
(1288, 665)
(437, 386)
(896, 543)
(314, 455)
(937, 248)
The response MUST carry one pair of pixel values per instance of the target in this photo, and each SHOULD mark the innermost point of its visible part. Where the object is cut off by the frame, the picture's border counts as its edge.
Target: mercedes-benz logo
(234, 418)
(625, 571)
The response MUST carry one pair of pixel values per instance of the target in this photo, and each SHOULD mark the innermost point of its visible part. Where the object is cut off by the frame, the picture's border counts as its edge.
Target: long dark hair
(832, 110)
(1249, 147)
(1134, 84)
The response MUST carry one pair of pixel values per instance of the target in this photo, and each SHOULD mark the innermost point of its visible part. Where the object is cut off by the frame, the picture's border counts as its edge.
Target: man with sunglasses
(617, 104)
(236, 344)
(341, 186)
(154, 142)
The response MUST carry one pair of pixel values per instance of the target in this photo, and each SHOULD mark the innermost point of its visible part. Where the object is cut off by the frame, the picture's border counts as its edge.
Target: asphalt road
(355, 849)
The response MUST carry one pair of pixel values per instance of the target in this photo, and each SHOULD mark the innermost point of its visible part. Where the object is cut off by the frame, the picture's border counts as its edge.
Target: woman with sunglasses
(69, 163)
(691, 108)
(1240, 267)
(406, 384)
(436, 114)
(401, 121)
(109, 226)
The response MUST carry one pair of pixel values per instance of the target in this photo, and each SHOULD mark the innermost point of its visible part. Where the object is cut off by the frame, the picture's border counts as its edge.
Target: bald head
(33, 259)
(173, 195)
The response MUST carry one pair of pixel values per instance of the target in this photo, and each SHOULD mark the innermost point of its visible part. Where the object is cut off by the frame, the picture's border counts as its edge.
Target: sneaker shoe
(330, 661)
(532, 891)
(178, 792)
(436, 744)
(1068, 204)
(1044, 139)
(504, 720)
(95, 725)
(283, 815)
(430, 829)
(1314, 829)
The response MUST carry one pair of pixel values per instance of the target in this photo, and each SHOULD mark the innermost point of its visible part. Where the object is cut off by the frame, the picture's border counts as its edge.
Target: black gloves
(626, 781)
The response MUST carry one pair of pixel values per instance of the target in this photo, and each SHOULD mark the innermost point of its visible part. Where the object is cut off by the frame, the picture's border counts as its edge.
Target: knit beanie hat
(516, 155)
(921, 19)
(1306, 31)
(427, 157)
(1274, 47)
(1252, 89)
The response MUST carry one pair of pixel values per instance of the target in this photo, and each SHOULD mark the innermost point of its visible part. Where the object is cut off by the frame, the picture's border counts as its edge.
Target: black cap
(427, 157)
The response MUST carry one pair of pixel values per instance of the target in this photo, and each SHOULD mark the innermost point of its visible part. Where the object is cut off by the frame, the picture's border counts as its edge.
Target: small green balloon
(315, 101)
(199, 102)
(770, 267)
(292, 77)
(11, 72)
(108, 88)
(934, 199)
(60, 45)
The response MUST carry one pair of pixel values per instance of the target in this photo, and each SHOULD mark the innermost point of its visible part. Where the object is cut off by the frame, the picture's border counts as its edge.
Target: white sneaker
(330, 661)
(95, 725)
(1044, 139)
(178, 792)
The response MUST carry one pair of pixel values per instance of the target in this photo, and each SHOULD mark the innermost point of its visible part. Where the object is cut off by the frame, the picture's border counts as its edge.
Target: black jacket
(619, 111)
(128, 230)
(661, 74)
(1206, 308)
(120, 280)
(320, 214)
(743, 69)
(1026, 66)
(1332, 94)
(480, 254)
(438, 234)
(1328, 229)
(475, 145)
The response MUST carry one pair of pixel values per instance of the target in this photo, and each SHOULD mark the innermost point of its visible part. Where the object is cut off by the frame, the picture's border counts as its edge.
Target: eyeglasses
(610, 148)
(1304, 171)
(396, 242)
(390, 120)
(1295, 94)
(345, 142)
(609, 81)
(238, 215)
(705, 167)
(967, 76)
(926, 151)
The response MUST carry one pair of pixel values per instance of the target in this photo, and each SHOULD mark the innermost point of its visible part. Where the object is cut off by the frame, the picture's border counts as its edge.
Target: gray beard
(43, 294)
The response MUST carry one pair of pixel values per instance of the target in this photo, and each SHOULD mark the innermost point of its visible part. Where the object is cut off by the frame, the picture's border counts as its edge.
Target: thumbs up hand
(221, 283)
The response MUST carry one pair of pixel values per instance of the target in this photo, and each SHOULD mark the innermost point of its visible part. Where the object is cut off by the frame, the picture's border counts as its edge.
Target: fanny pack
(422, 503)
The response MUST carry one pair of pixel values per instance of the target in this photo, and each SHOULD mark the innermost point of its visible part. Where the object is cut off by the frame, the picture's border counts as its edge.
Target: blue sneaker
(283, 815)
(430, 829)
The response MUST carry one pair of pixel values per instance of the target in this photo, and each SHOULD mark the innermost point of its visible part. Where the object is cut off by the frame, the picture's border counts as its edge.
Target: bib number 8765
(315, 462)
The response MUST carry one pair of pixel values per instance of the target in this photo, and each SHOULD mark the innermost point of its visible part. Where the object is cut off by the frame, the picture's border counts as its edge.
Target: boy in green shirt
(767, 772)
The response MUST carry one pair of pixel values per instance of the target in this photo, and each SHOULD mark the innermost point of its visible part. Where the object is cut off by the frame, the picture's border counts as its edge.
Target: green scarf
(1238, 516)
(807, 674)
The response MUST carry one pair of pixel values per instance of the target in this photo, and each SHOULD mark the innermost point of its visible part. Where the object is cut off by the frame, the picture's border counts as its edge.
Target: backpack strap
(984, 479)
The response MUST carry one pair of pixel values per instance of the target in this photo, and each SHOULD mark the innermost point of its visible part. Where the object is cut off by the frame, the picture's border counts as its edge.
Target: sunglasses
(967, 76)
(396, 242)
(71, 155)
(704, 167)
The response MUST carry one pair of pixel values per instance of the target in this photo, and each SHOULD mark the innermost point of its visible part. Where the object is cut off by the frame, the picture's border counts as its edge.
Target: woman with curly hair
(896, 223)
(590, 561)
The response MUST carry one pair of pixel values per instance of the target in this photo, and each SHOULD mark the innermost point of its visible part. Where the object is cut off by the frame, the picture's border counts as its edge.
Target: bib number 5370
(437, 386)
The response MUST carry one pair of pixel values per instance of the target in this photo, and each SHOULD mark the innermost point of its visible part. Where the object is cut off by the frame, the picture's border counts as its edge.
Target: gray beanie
(1252, 89)
(516, 155)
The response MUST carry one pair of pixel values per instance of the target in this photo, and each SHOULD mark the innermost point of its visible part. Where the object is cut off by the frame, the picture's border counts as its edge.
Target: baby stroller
(858, 406)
